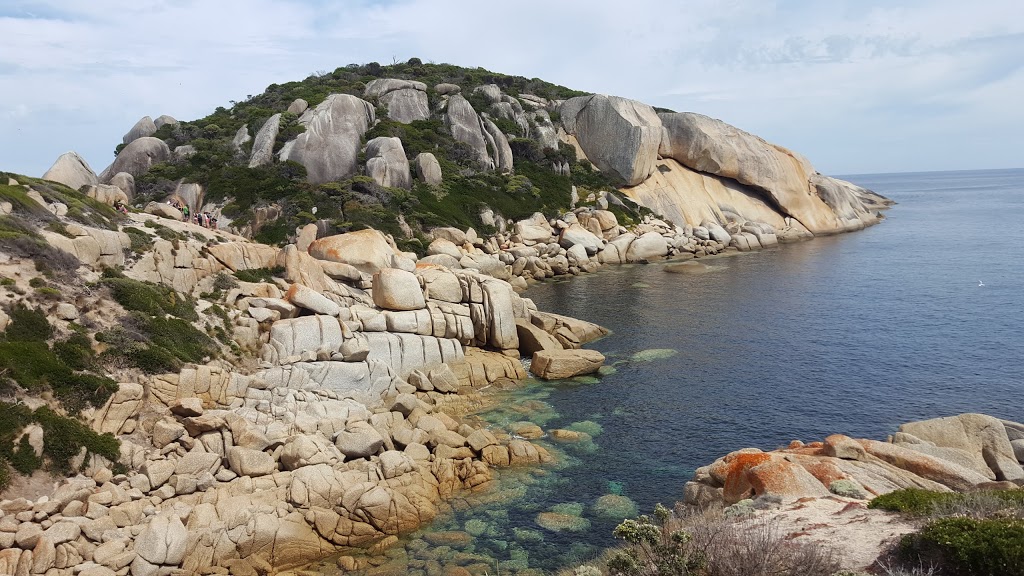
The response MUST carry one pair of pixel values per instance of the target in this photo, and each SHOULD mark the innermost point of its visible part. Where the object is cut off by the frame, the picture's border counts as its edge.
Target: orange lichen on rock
(780, 477)
(823, 470)
(731, 471)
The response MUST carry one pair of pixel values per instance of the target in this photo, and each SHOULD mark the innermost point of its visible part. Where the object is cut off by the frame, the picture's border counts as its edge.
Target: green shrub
(259, 274)
(75, 352)
(5, 474)
(24, 459)
(703, 544)
(151, 299)
(141, 242)
(918, 502)
(970, 546)
(28, 325)
(65, 437)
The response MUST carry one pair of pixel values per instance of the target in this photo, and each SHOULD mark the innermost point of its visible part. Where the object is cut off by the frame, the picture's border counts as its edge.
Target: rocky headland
(290, 383)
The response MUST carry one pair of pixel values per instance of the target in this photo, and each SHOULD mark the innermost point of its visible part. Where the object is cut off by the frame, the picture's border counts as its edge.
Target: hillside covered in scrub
(408, 147)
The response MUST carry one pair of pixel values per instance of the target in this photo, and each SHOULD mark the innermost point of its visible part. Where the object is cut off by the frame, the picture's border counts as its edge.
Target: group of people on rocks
(204, 219)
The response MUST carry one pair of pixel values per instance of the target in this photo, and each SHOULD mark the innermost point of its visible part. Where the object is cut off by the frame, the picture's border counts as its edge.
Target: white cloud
(856, 86)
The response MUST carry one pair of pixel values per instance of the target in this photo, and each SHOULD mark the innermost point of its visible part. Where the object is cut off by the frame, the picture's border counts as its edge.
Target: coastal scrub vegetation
(157, 334)
(64, 438)
(28, 363)
(707, 543)
(974, 534)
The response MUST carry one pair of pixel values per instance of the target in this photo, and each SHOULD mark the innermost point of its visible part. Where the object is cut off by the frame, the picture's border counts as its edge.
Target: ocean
(918, 317)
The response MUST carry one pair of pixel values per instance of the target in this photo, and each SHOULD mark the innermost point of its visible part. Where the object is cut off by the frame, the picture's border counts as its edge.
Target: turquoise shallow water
(853, 334)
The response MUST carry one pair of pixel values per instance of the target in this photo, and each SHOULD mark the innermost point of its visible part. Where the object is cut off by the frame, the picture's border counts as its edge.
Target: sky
(858, 86)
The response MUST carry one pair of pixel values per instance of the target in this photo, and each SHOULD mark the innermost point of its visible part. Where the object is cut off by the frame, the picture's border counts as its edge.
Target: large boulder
(329, 148)
(144, 127)
(648, 246)
(263, 146)
(558, 364)
(464, 124)
(366, 250)
(618, 135)
(249, 462)
(499, 143)
(71, 170)
(381, 86)
(124, 181)
(711, 146)
(164, 120)
(386, 162)
(405, 100)
(137, 157)
(106, 193)
(395, 289)
(428, 169)
(576, 235)
(533, 339)
(163, 540)
(981, 438)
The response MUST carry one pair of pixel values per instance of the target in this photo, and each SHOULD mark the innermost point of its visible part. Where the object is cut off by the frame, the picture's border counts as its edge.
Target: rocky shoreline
(330, 415)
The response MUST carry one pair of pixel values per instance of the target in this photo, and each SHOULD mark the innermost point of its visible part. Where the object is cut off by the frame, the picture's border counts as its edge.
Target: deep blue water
(849, 334)
(853, 334)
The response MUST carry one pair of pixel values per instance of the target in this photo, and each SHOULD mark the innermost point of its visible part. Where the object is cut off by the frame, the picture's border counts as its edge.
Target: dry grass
(707, 543)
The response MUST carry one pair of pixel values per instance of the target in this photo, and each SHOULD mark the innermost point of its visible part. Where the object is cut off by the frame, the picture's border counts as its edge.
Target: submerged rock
(653, 354)
(615, 507)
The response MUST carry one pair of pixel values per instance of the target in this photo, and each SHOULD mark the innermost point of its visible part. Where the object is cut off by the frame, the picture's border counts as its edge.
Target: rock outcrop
(263, 146)
(428, 169)
(958, 453)
(386, 163)
(137, 157)
(329, 148)
(71, 170)
(618, 135)
(464, 124)
(405, 100)
(784, 178)
(144, 127)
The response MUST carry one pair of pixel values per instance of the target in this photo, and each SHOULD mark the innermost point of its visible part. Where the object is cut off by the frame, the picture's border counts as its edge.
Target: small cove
(853, 334)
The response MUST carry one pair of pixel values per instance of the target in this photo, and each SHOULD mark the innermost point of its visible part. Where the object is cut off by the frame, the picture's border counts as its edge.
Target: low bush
(28, 325)
(5, 474)
(63, 438)
(151, 299)
(75, 351)
(984, 503)
(970, 546)
(259, 274)
(141, 242)
(707, 544)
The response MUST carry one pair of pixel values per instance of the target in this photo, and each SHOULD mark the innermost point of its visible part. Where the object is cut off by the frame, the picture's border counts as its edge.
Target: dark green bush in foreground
(970, 546)
(973, 533)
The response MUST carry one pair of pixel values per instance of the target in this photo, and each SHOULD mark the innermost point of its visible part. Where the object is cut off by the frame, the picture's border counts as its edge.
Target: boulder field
(336, 423)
